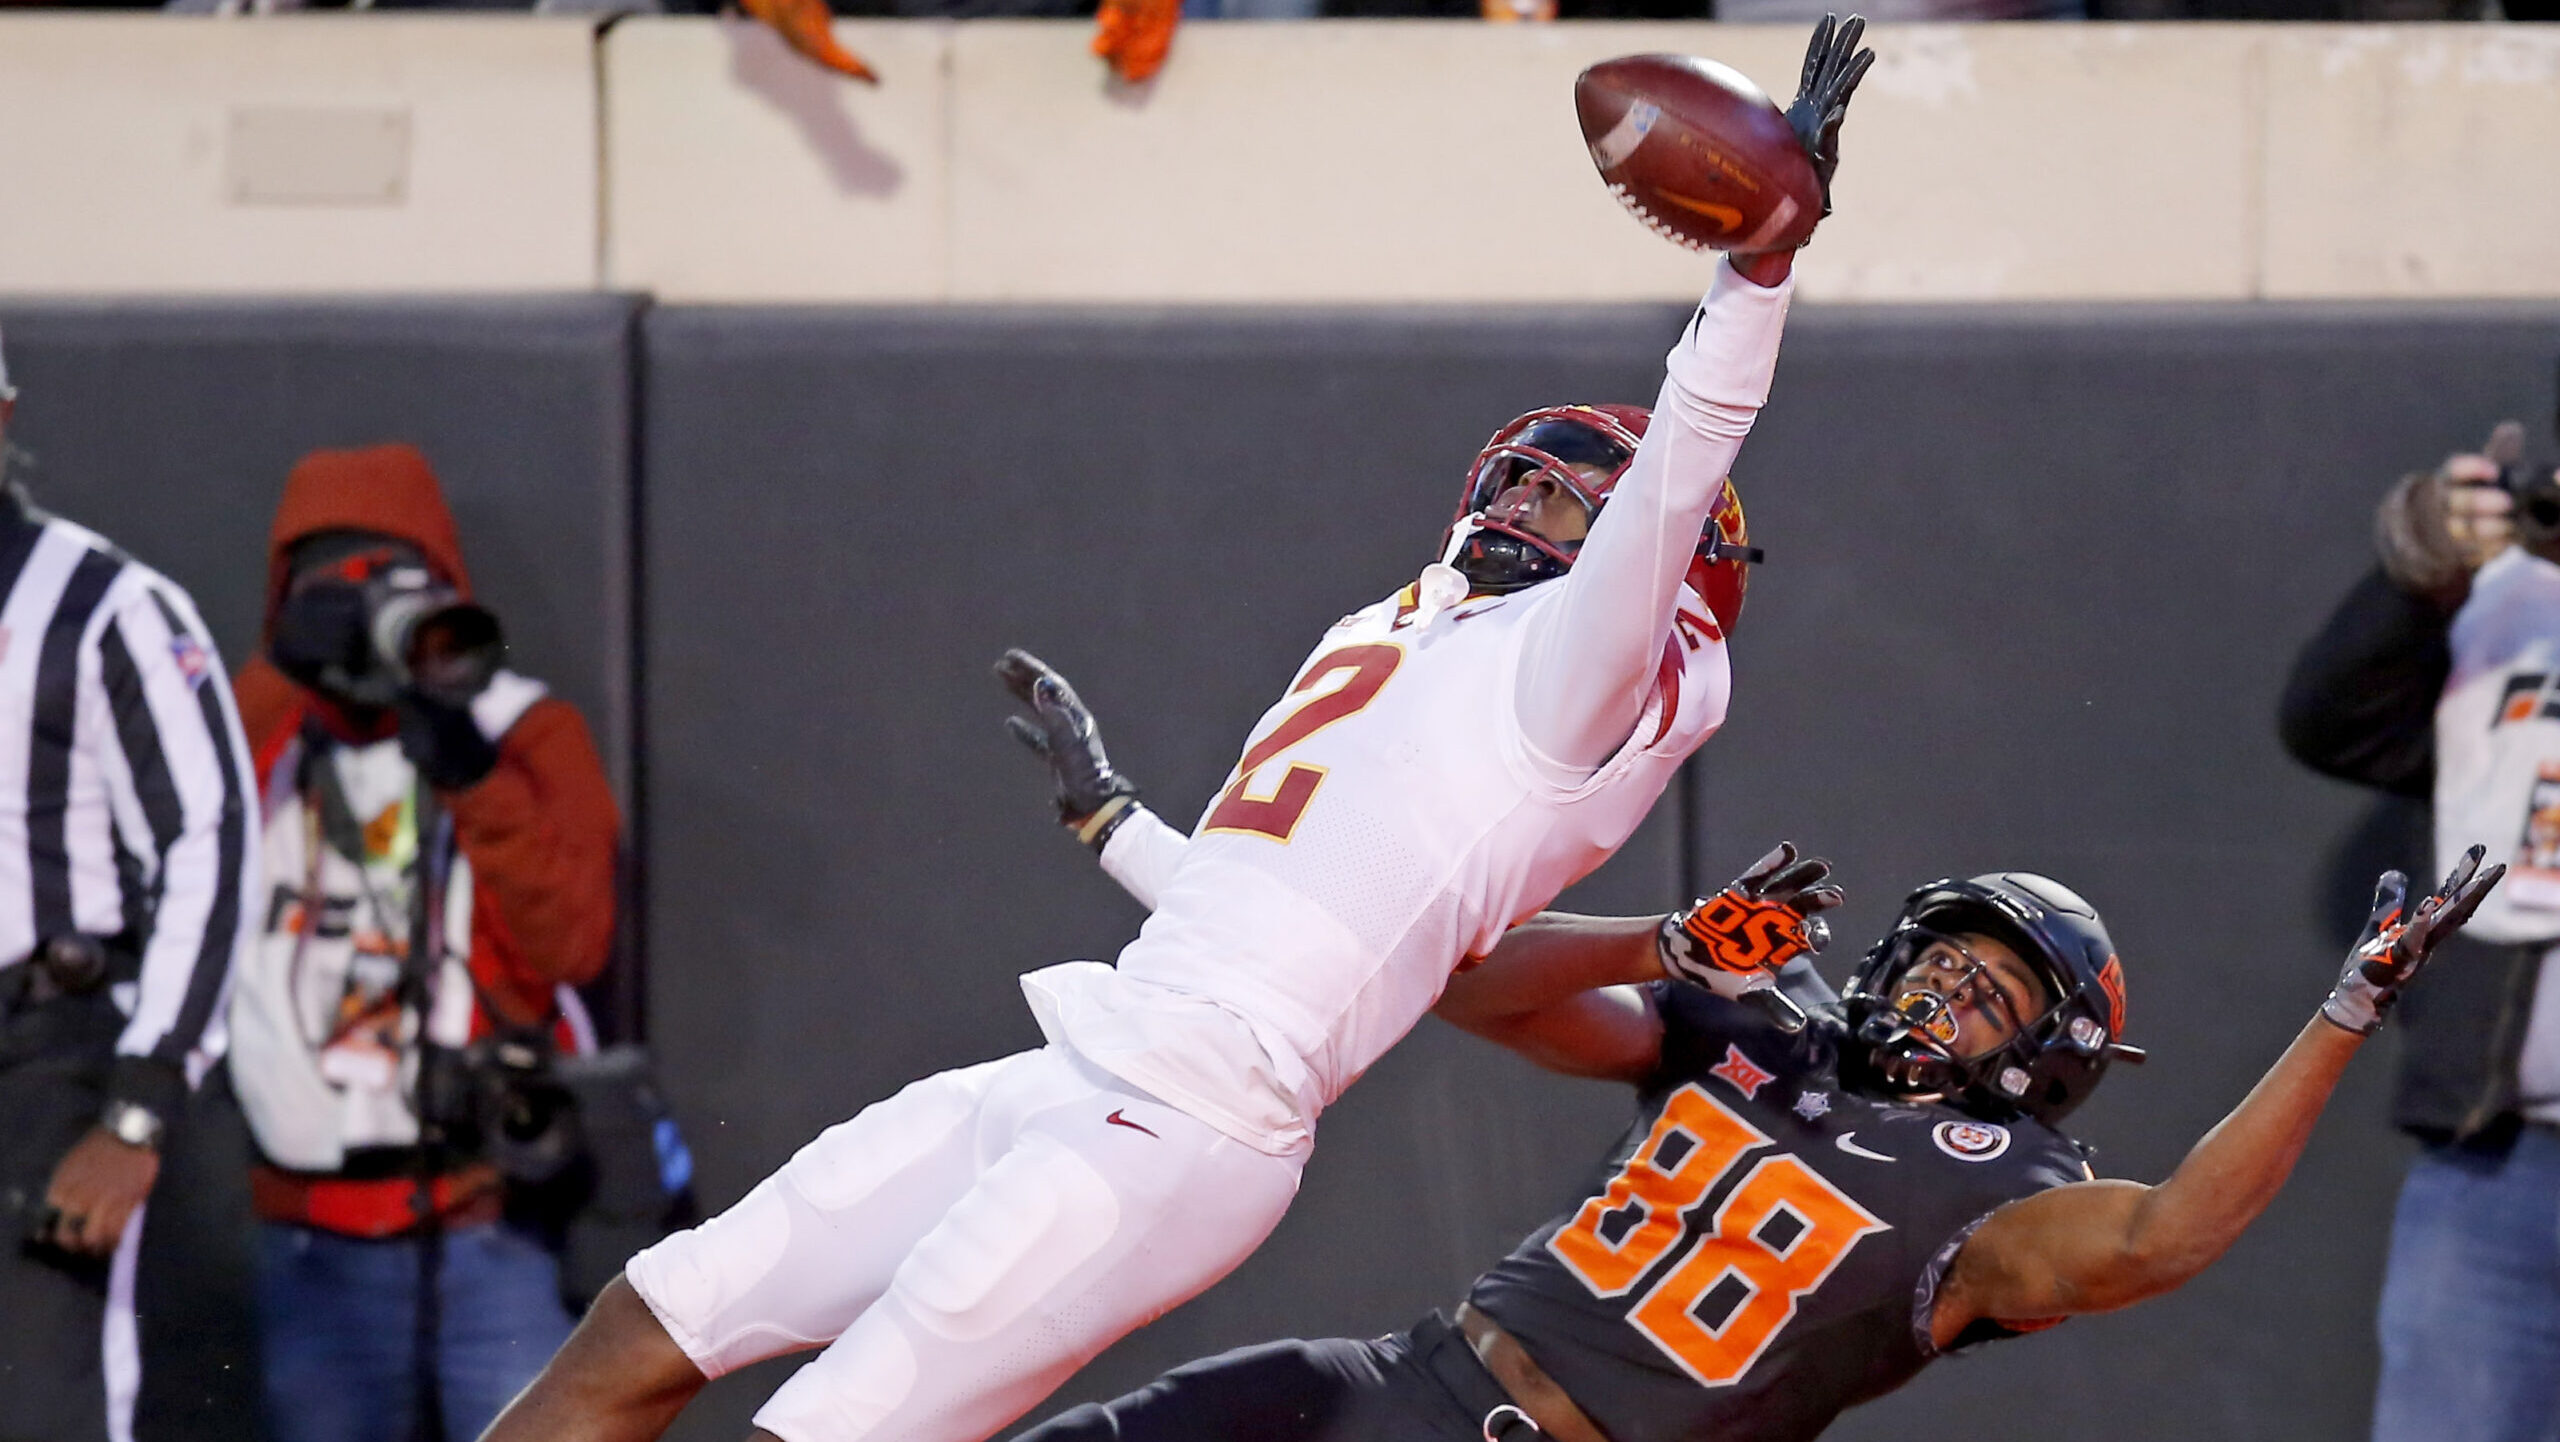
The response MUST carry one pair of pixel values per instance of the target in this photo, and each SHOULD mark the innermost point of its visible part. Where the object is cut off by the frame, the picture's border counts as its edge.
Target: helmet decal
(2111, 981)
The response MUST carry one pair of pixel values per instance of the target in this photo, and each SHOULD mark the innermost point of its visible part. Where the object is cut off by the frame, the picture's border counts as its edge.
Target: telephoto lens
(427, 636)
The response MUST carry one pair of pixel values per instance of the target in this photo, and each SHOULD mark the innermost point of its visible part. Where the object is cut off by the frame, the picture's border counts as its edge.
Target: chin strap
(1459, 535)
(1716, 548)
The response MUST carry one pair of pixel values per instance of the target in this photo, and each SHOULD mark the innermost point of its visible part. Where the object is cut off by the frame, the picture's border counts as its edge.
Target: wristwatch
(133, 1124)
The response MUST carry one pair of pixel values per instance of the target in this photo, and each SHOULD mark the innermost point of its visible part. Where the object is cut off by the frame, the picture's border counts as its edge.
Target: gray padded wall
(2036, 580)
(2035, 576)
(169, 427)
(848, 517)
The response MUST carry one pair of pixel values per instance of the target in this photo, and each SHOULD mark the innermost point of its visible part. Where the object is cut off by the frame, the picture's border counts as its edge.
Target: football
(1698, 152)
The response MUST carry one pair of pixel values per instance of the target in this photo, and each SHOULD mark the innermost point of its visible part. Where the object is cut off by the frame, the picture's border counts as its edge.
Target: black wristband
(1095, 830)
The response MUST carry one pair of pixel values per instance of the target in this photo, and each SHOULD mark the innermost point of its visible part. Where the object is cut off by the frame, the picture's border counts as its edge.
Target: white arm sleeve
(1142, 853)
(1588, 658)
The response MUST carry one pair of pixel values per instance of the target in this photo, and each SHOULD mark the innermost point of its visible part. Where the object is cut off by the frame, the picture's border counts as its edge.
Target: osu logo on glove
(1733, 932)
(1765, 919)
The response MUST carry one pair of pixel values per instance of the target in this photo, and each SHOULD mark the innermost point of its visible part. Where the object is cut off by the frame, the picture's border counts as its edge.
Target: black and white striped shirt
(126, 798)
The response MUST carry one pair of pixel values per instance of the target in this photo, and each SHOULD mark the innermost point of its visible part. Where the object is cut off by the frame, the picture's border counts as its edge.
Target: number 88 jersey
(1764, 1247)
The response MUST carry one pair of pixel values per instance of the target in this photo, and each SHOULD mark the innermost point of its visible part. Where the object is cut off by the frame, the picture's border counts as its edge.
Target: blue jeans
(339, 1319)
(2470, 1316)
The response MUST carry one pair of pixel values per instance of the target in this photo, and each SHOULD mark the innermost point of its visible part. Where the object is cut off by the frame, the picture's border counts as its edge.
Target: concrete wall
(1351, 162)
(150, 154)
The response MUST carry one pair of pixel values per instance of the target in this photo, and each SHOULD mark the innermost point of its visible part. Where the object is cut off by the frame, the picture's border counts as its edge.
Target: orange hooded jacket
(541, 830)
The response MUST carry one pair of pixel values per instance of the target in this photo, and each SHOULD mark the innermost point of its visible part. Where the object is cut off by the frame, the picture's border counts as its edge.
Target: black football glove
(2388, 955)
(1768, 917)
(1092, 798)
(1833, 66)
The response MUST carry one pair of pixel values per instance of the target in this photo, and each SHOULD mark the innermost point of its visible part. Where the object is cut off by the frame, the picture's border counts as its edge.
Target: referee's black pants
(53, 1076)
(1424, 1385)
(192, 1341)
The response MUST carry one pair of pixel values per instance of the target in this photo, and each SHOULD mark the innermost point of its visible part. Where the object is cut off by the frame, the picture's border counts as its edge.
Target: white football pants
(962, 1248)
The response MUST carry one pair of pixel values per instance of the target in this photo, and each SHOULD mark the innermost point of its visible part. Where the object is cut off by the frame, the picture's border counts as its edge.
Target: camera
(2536, 492)
(426, 635)
(498, 1099)
(366, 635)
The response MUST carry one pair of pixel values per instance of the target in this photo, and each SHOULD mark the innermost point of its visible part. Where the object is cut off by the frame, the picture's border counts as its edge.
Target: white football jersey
(1387, 822)
(1392, 815)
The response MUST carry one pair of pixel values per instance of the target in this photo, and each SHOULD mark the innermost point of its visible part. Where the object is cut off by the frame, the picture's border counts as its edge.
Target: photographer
(2438, 676)
(126, 836)
(439, 863)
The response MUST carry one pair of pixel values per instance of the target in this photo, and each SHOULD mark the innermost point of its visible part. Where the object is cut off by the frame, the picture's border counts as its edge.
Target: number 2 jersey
(1764, 1247)
(1395, 812)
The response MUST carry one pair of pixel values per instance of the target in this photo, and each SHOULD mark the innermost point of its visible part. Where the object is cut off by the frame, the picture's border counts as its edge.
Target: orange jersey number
(1277, 815)
(1776, 1265)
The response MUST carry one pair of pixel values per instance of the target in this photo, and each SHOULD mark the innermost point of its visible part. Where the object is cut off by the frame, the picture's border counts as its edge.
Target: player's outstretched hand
(1833, 66)
(1769, 916)
(1060, 731)
(2396, 944)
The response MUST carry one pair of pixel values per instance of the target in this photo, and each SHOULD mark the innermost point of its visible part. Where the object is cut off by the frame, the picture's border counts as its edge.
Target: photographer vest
(362, 944)
(2497, 734)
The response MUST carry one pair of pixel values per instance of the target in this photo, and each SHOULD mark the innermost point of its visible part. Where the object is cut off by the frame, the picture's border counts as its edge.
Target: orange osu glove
(808, 26)
(1134, 36)
(1765, 919)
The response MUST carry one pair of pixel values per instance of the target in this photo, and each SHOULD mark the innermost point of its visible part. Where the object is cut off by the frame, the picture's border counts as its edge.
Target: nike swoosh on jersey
(1118, 1120)
(1852, 1148)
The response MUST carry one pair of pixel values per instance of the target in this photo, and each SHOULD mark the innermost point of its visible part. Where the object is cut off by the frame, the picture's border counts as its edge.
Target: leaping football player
(1801, 1217)
(1446, 762)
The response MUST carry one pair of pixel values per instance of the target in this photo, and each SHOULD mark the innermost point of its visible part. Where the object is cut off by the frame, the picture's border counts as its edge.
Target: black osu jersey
(1761, 1251)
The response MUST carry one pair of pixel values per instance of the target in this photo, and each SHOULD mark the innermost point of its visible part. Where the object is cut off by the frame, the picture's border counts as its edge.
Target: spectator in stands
(127, 838)
(439, 870)
(2439, 676)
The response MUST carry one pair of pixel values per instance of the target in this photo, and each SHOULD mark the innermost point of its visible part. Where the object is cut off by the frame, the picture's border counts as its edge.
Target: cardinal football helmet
(1900, 1036)
(1489, 544)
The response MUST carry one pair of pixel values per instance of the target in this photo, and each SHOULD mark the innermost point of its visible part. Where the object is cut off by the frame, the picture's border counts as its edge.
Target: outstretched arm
(2099, 1245)
(1567, 993)
(1564, 991)
(1095, 801)
(1589, 658)
(1588, 666)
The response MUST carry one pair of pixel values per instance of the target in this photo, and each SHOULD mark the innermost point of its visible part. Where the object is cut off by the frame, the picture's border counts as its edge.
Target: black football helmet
(1899, 1038)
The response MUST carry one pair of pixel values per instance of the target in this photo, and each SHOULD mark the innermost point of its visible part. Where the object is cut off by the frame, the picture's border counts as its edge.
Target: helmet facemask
(1579, 450)
(1911, 1029)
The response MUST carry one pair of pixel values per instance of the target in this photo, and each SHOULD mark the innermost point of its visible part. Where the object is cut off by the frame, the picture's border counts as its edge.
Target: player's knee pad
(696, 1281)
(1037, 1216)
(848, 1392)
(849, 1161)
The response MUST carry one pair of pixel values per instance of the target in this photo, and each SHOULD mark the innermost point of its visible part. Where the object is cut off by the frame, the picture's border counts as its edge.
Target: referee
(126, 839)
